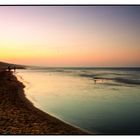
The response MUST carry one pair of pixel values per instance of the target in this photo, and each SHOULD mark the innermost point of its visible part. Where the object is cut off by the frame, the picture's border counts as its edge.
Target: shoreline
(19, 116)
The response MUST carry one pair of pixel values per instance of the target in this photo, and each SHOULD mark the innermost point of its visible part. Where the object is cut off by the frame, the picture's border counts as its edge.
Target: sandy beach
(19, 116)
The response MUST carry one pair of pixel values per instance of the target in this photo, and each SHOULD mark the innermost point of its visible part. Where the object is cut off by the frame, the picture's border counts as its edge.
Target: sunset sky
(70, 35)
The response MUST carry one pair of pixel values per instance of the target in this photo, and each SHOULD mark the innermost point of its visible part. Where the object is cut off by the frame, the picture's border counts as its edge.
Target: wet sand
(19, 116)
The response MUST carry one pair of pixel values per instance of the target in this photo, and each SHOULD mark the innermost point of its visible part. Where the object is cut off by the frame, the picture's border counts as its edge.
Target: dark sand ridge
(19, 116)
(4, 66)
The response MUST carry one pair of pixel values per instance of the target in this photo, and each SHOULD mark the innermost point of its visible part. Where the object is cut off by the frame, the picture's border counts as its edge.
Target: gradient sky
(70, 35)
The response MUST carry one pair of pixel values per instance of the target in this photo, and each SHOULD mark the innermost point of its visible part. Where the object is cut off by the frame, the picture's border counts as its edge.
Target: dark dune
(4, 66)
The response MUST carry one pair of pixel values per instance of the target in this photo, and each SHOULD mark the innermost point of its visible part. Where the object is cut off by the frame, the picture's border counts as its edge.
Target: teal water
(105, 101)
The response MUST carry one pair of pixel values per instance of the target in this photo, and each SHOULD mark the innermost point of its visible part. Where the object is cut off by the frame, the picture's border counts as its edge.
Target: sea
(98, 100)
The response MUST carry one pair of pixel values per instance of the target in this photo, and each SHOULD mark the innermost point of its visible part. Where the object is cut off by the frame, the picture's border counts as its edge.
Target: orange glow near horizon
(73, 57)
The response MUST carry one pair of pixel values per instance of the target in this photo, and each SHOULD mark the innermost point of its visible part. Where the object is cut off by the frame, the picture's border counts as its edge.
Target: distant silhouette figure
(9, 68)
(94, 81)
(14, 69)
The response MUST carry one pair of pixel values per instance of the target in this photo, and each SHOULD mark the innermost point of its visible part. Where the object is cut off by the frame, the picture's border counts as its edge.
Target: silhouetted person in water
(95, 81)
(9, 68)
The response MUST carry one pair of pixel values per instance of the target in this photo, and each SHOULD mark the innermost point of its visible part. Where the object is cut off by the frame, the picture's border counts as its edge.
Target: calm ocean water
(105, 101)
